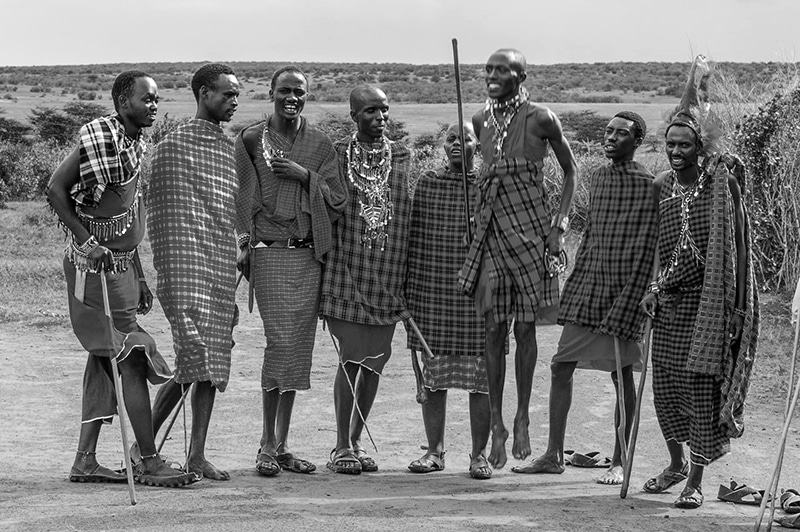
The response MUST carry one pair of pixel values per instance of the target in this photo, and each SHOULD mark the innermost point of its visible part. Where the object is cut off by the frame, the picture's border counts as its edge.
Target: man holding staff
(600, 304)
(191, 212)
(363, 290)
(506, 267)
(96, 193)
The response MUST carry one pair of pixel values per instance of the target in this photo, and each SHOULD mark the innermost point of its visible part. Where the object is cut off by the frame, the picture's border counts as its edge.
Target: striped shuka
(191, 214)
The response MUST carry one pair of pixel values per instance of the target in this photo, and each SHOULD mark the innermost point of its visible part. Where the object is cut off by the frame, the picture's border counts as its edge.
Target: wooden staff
(623, 418)
(637, 414)
(422, 393)
(462, 139)
(118, 389)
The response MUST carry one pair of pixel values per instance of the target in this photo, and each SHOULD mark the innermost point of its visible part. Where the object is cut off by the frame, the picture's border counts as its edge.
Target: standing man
(363, 294)
(290, 194)
(506, 268)
(600, 305)
(445, 315)
(191, 212)
(96, 193)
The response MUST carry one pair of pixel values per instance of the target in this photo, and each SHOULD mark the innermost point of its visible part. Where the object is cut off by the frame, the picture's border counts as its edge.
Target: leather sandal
(428, 463)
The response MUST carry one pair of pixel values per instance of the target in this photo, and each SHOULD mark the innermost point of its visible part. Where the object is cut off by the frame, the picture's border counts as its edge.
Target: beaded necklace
(270, 152)
(508, 109)
(685, 240)
(368, 170)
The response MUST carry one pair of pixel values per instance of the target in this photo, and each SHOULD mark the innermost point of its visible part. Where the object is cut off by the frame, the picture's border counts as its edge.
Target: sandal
(666, 479)
(790, 501)
(592, 459)
(267, 465)
(743, 494)
(429, 463)
(690, 498)
(789, 521)
(368, 464)
(292, 463)
(98, 474)
(479, 467)
(345, 462)
(176, 479)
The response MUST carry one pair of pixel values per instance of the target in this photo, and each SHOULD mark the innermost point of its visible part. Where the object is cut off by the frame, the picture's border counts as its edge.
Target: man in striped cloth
(506, 267)
(290, 194)
(601, 297)
(96, 193)
(191, 212)
(445, 316)
(363, 289)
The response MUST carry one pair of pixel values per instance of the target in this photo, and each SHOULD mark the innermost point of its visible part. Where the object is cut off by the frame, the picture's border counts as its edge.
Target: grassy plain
(418, 118)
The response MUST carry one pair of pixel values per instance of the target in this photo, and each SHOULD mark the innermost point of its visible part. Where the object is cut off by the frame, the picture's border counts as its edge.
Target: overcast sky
(50, 32)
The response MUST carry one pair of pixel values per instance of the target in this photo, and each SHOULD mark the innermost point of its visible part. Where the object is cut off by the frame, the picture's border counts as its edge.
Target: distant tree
(583, 126)
(62, 126)
(12, 130)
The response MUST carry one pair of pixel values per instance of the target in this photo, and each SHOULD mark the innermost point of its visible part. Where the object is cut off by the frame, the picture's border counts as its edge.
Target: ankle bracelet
(85, 454)
(154, 455)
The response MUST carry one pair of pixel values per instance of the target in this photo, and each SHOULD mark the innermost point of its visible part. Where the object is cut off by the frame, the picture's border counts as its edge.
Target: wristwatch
(560, 221)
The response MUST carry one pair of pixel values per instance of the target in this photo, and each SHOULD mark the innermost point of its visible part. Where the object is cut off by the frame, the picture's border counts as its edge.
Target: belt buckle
(290, 243)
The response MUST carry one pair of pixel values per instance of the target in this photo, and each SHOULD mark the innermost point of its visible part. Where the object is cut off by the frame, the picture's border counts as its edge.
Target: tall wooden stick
(467, 213)
(118, 389)
(637, 415)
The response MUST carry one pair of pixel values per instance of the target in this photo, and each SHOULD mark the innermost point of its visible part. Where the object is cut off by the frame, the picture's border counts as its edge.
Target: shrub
(26, 169)
(86, 95)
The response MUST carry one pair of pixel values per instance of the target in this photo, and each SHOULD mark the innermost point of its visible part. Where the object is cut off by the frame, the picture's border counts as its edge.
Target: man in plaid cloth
(363, 289)
(505, 270)
(290, 193)
(601, 297)
(191, 213)
(446, 317)
(96, 193)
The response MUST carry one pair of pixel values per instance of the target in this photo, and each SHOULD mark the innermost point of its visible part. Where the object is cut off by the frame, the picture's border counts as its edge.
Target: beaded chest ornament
(368, 170)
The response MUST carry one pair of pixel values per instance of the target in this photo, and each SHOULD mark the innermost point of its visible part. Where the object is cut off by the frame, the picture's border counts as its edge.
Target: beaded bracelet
(739, 312)
(243, 240)
(90, 245)
(654, 288)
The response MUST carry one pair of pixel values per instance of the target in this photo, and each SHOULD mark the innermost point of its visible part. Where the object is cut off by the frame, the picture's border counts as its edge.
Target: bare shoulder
(544, 120)
(251, 137)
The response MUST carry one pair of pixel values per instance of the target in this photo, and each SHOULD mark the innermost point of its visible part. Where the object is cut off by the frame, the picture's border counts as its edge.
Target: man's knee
(561, 372)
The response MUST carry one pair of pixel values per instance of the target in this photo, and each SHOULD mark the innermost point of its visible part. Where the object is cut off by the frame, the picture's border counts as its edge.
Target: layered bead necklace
(687, 195)
(270, 152)
(508, 110)
(368, 170)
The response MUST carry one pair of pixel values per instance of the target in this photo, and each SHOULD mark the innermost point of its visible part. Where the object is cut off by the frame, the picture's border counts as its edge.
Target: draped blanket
(191, 213)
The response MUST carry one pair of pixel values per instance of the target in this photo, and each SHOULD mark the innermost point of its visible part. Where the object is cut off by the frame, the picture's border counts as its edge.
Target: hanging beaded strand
(685, 241)
(270, 152)
(368, 170)
(508, 109)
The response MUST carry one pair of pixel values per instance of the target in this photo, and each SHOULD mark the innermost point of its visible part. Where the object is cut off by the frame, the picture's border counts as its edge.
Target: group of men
(343, 231)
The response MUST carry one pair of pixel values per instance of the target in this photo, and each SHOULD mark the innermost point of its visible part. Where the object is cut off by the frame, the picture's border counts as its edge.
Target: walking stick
(181, 405)
(421, 339)
(623, 418)
(422, 393)
(637, 414)
(461, 140)
(791, 404)
(118, 389)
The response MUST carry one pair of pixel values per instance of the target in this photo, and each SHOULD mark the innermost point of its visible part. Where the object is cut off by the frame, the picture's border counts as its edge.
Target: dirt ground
(39, 416)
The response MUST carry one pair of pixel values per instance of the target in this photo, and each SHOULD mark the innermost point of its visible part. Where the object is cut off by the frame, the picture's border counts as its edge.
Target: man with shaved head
(506, 270)
(363, 288)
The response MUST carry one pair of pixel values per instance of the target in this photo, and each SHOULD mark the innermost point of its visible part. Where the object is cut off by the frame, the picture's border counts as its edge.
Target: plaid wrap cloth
(107, 157)
(282, 208)
(615, 259)
(436, 250)
(191, 212)
(361, 284)
(512, 223)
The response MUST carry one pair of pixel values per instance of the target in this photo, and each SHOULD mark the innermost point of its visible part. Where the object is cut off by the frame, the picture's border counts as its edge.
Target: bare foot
(497, 456)
(612, 476)
(207, 469)
(541, 465)
(522, 443)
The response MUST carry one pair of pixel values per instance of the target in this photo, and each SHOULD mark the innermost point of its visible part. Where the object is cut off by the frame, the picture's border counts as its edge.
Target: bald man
(363, 294)
(506, 268)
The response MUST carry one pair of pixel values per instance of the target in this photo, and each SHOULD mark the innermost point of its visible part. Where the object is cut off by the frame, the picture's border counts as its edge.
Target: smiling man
(505, 270)
(96, 193)
(190, 221)
(601, 297)
(363, 289)
(290, 195)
